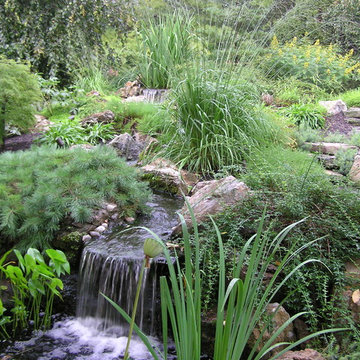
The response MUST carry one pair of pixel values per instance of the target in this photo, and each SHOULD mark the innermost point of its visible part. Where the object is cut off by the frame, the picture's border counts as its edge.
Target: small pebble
(94, 234)
(100, 229)
(114, 216)
(130, 219)
(86, 238)
(111, 207)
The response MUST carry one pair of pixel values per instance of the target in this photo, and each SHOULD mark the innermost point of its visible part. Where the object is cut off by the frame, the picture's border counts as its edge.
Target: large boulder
(354, 173)
(278, 318)
(307, 354)
(334, 107)
(104, 117)
(212, 197)
(164, 175)
(127, 146)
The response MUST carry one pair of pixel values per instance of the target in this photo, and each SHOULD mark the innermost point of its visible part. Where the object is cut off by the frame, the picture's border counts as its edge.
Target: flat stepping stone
(352, 112)
(353, 121)
(328, 148)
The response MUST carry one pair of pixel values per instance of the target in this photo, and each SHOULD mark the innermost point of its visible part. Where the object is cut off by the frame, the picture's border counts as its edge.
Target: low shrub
(351, 98)
(41, 187)
(306, 115)
(314, 63)
(291, 90)
(344, 160)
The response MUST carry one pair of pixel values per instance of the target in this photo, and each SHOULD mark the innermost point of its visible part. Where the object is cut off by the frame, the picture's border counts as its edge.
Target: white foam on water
(84, 339)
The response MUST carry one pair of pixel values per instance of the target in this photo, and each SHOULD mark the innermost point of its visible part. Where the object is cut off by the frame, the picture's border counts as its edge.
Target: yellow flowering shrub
(322, 65)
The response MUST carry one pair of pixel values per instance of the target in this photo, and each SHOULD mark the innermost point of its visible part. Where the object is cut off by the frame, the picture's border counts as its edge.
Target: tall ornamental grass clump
(242, 302)
(41, 187)
(214, 123)
(166, 47)
(322, 65)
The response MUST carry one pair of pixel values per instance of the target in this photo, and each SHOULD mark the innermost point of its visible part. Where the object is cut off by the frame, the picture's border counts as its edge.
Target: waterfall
(109, 265)
(117, 278)
(155, 95)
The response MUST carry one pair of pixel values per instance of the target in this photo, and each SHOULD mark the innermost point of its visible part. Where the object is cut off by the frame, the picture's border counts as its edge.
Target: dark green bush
(53, 35)
(19, 91)
(41, 187)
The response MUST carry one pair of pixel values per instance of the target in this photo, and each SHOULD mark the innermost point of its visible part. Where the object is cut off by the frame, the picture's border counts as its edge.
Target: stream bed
(109, 265)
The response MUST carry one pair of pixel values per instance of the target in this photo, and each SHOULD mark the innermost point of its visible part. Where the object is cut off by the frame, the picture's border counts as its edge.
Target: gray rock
(42, 124)
(333, 173)
(213, 198)
(164, 175)
(353, 121)
(129, 220)
(278, 317)
(354, 173)
(114, 216)
(105, 117)
(353, 112)
(94, 234)
(328, 148)
(86, 147)
(334, 107)
(307, 354)
(105, 225)
(100, 229)
(99, 217)
(111, 207)
(126, 146)
(86, 238)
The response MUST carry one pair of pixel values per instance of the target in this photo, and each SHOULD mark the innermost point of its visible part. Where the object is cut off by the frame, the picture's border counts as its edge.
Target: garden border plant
(240, 306)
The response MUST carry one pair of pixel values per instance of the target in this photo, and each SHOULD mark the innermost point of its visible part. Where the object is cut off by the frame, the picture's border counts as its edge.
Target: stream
(109, 265)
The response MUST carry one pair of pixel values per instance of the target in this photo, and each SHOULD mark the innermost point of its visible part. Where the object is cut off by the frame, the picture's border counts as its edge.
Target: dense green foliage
(34, 283)
(321, 65)
(241, 307)
(166, 47)
(19, 91)
(294, 187)
(306, 115)
(41, 187)
(53, 35)
(71, 133)
(212, 125)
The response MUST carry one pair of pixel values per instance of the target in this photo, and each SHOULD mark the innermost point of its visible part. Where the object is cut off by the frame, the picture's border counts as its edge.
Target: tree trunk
(2, 127)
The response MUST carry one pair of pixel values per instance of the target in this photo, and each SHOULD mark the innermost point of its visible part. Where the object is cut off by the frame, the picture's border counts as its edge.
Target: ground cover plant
(41, 187)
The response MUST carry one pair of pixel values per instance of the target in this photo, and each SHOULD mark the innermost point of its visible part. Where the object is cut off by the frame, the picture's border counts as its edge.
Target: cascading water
(111, 265)
(155, 95)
